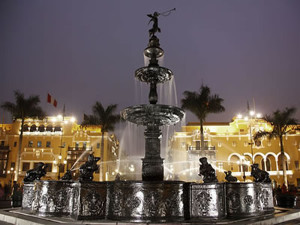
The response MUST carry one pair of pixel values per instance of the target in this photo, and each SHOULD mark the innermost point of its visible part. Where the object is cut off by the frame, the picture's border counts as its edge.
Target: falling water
(132, 141)
(80, 157)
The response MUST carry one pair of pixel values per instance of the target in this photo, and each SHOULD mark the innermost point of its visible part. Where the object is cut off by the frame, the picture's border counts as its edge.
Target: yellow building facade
(60, 143)
(230, 146)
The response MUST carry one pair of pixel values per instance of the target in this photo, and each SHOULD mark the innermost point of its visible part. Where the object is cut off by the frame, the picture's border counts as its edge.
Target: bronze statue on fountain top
(207, 171)
(36, 173)
(67, 175)
(229, 177)
(154, 19)
(259, 175)
(88, 168)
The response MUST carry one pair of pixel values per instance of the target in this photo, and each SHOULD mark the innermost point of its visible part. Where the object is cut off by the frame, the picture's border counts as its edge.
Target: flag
(51, 100)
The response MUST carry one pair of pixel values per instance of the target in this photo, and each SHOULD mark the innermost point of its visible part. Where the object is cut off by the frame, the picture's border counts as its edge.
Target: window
(61, 168)
(2, 143)
(26, 166)
(48, 168)
(297, 165)
(257, 143)
(98, 145)
(30, 144)
(280, 163)
(3, 162)
(220, 165)
(39, 144)
(76, 145)
(84, 145)
(15, 144)
(48, 144)
(233, 144)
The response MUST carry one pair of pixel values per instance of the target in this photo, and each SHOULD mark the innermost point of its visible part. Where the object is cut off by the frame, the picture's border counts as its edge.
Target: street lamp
(250, 118)
(59, 164)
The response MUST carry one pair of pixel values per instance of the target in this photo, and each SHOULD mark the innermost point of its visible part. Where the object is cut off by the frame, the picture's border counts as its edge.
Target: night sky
(86, 51)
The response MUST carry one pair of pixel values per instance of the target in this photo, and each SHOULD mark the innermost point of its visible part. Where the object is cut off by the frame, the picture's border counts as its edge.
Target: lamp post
(11, 172)
(60, 163)
(251, 118)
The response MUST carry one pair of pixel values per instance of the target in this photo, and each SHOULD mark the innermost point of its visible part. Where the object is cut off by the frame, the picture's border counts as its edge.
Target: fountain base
(145, 201)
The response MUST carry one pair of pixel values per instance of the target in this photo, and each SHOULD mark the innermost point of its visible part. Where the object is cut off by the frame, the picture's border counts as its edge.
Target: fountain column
(152, 163)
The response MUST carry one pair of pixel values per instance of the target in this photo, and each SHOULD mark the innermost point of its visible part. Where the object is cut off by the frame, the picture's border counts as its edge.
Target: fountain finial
(154, 19)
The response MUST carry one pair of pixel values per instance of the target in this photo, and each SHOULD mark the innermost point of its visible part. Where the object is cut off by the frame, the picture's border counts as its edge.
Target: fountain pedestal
(152, 169)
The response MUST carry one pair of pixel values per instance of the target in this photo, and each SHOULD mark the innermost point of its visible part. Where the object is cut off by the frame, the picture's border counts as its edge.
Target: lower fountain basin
(147, 201)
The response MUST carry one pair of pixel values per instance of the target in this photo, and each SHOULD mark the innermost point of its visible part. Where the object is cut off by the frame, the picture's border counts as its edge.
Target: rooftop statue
(207, 171)
(36, 173)
(154, 19)
(259, 175)
(229, 177)
(67, 175)
(88, 168)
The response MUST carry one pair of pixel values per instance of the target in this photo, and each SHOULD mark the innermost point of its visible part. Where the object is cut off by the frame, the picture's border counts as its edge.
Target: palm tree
(201, 104)
(105, 118)
(282, 123)
(23, 108)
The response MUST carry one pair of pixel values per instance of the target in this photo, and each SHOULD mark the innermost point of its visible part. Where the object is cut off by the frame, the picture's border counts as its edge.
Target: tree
(282, 123)
(201, 104)
(23, 108)
(103, 117)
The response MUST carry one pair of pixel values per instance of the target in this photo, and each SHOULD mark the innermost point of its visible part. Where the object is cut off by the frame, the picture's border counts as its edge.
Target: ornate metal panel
(267, 197)
(28, 196)
(243, 199)
(207, 200)
(89, 200)
(146, 201)
(52, 198)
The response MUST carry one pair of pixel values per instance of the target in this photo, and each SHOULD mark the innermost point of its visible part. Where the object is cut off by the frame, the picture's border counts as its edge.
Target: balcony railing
(210, 148)
(4, 148)
(79, 148)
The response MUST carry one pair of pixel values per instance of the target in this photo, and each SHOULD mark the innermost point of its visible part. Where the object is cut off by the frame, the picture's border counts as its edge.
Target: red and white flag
(51, 100)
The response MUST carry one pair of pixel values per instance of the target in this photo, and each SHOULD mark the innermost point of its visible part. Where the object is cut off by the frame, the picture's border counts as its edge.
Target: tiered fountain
(151, 199)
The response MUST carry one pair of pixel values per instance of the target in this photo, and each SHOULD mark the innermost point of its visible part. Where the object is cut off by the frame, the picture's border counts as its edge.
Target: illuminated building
(58, 142)
(230, 146)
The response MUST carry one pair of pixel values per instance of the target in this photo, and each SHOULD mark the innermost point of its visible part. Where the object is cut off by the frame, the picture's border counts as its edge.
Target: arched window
(268, 164)
(262, 164)
(280, 162)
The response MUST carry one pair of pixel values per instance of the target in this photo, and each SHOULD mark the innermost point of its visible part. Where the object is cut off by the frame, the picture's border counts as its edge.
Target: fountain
(151, 199)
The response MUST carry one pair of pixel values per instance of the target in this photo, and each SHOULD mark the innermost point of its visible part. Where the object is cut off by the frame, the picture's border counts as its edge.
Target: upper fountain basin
(153, 114)
(153, 74)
